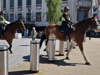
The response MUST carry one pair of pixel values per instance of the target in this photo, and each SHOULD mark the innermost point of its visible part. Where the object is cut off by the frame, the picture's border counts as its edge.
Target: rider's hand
(71, 23)
(5, 23)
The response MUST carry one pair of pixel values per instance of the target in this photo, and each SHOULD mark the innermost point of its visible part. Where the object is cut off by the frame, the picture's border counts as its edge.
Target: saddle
(2, 30)
(62, 29)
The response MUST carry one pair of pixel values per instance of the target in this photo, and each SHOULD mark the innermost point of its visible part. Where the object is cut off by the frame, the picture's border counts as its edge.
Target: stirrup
(1, 36)
(65, 37)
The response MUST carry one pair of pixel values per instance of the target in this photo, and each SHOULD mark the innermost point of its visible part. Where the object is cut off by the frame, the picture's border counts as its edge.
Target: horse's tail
(42, 39)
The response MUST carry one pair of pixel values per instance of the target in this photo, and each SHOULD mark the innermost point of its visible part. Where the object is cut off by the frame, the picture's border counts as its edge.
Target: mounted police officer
(2, 23)
(66, 21)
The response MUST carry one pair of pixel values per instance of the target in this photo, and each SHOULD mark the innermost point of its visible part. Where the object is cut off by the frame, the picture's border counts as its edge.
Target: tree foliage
(54, 12)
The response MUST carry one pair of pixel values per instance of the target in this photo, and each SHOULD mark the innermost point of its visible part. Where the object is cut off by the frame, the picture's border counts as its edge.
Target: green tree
(54, 12)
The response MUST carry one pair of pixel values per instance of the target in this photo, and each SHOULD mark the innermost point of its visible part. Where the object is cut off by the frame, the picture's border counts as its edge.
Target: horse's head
(21, 24)
(94, 24)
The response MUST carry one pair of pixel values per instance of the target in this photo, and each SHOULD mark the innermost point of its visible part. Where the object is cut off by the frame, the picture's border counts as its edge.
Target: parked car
(92, 33)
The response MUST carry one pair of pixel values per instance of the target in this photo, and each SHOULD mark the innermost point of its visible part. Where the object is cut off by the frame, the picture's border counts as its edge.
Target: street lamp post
(28, 14)
(34, 18)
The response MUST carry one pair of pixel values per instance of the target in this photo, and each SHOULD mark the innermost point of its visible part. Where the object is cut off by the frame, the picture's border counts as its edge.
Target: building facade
(34, 11)
(0, 5)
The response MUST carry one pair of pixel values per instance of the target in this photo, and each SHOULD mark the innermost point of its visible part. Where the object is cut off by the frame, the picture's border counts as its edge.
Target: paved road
(61, 66)
(21, 48)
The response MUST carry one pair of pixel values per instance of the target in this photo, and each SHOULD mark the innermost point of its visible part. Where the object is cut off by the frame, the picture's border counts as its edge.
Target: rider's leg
(3, 28)
(0, 30)
(66, 32)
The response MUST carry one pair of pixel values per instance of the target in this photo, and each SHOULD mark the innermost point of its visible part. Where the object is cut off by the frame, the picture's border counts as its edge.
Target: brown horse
(10, 31)
(76, 37)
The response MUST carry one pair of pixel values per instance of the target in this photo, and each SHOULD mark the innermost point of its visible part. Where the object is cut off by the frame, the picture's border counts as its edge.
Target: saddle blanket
(62, 29)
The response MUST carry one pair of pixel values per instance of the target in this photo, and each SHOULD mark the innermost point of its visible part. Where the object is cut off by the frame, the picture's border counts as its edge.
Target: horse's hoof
(67, 58)
(11, 52)
(66, 50)
(74, 47)
(44, 49)
(87, 63)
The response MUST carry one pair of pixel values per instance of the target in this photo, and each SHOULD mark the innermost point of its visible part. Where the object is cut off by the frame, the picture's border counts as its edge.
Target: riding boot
(0, 34)
(66, 33)
(1, 31)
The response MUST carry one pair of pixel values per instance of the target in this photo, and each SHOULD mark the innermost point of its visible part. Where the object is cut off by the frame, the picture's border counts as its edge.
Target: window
(28, 2)
(84, 0)
(82, 15)
(4, 3)
(38, 1)
(19, 15)
(64, 0)
(11, 17)
(11, 3)
(19, 2)
(38, 17)
(5, 16)
(28, 17)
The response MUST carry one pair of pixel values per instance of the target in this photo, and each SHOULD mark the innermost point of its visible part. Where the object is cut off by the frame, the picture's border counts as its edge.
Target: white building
(0, 5)
(36, 9)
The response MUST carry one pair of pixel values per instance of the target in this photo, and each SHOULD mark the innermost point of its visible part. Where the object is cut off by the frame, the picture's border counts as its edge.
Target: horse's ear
(20, 18)
(93, 17)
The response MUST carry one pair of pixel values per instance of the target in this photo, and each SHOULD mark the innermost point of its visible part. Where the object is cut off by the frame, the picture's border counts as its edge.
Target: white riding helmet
(66, 8)
(33, 27)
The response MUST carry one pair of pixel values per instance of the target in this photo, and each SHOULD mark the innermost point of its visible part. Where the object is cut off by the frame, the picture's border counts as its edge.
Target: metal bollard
(34, 56)
(68, 45)
(3, 60)
(85, 37)
(51, 49)
(61, 48)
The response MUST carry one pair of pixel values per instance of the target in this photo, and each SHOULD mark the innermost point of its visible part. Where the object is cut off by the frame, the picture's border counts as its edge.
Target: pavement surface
(61, 66)
(20, 48)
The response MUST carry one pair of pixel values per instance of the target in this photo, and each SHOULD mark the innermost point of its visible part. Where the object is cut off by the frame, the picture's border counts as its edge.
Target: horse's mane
(81, 22)
(10, 24)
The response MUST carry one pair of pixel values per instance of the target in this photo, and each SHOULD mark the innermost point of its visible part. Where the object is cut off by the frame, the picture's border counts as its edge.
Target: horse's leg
(82, 51)
(71, 46)
(67, 46)
(10, 49)
(10, 43)
(47, 46)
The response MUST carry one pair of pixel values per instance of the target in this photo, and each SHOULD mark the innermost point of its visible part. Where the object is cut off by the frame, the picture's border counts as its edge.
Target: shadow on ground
(64, 50)
(20, 72)
(44, 60)
(24, 45)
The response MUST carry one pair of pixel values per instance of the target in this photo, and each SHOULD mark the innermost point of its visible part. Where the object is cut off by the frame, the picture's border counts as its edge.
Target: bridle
(21, 22)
